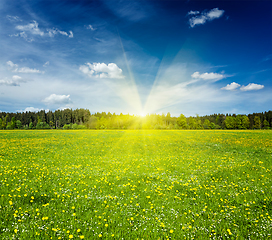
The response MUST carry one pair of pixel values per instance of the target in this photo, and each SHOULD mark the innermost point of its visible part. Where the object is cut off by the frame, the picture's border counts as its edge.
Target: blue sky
(190, 57)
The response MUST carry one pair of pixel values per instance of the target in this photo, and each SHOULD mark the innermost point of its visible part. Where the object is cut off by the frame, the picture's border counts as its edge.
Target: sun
(142, 114)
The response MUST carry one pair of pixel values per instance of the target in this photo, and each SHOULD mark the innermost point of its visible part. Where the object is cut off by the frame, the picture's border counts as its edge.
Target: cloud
(204, 16)
(251, 87)
(57, 99)
(90, 27)
(30, 109)
(208, 76)
(231, 87)
(102, 70)
(11, 64)
(9, 83)
(15, 81)
(33, 29)
(27, 70)
(193, 12)
(46, 64)
(71, 34)
(14, 68)
(13, 18)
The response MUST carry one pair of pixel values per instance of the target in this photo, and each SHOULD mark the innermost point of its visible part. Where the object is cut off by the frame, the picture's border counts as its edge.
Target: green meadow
(135, 184)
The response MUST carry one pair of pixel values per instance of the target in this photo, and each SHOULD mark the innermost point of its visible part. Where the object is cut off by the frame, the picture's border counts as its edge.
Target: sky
(137, 57)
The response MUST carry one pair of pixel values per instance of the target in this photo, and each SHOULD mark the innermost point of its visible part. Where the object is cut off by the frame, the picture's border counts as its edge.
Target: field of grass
(135, 184)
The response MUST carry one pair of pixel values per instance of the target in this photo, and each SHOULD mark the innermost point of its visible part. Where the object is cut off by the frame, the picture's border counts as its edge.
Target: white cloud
(14, 68)
(90, 27)
(46, 64)
(102, 70)
(9, 83)
(208, 76)
(11, 64)
(252, 86)
(14, 81)
(13, 18)
(193, 12)
(231, 87)
(71, 34)
(16, 78)
(33, 29)
(57, 99)
(27, 70)
(30, 109)
(204, 16)
(214, 13)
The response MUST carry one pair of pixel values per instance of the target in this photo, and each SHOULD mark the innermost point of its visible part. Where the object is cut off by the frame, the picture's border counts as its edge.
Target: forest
(83, 119)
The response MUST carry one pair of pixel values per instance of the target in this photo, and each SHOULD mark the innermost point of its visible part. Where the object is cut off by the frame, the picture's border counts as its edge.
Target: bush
(42, 125)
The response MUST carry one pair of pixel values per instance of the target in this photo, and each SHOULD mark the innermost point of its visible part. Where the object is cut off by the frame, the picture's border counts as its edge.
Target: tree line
(83, 119)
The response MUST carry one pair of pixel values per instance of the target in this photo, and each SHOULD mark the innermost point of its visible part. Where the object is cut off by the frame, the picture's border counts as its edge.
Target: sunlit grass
(135, 184)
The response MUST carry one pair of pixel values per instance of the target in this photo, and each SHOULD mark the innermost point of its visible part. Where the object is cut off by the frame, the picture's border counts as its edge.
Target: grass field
(135, 184)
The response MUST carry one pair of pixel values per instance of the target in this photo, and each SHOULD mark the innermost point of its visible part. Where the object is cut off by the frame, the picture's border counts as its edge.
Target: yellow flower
(78, 230)
(71, 236)
(15, 230)
(81, 237)
(100, 235)
(171, 231)
(106, 225)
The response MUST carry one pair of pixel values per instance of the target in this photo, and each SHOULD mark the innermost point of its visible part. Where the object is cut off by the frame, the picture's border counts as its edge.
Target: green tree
(229, 122)
(181, 121)
(245, 122)
(238, 122)
(12, 123)
(207, 124)
(18, 124)
(257, 122)
(192, 123)
(1, 121)
(265, 124)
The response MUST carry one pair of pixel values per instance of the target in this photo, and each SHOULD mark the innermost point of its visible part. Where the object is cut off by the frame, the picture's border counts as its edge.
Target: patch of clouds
(208, 76)
(46, 64)
(90, 27)
(102, 70)
(28, 70)
(249, 87)
(252, 87)
(33, 29)
(193, 12)
(231, 87)
(14, 68)
(63, 108)
(32, 109)
(14, 81)
(201, 18)
(11, 64)
(13, 18)
(57, 99)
